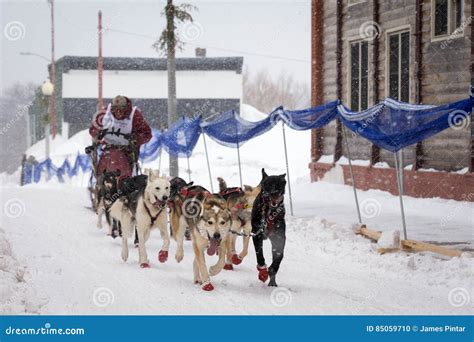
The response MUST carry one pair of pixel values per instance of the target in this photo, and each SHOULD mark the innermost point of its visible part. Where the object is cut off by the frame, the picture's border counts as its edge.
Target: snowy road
(75, 269)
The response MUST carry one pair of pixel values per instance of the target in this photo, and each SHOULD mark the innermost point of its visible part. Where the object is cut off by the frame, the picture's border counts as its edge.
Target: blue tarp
(393, 125)
(310, 118)
(231, 130)
(32, 173)
(390, 124)
(151, 149)
(181, 138)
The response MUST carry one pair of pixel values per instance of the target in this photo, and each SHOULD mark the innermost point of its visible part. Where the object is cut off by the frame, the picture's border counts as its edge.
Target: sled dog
(268, 221)
(240, 203)
(147, 210)
(106, 196)
(209, 221)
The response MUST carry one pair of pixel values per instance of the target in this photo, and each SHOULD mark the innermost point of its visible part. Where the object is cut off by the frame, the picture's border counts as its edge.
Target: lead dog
(209, 221)
(268, 221)
(240, 203)
(148, 213)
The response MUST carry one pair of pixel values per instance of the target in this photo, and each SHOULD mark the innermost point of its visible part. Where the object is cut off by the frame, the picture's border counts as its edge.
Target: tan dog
(209, 220)
(240, 204)
(148, 213)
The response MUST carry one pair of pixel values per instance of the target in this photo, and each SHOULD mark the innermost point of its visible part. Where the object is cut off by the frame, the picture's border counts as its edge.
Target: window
(359, 66)
(448, 16)
(399, 66)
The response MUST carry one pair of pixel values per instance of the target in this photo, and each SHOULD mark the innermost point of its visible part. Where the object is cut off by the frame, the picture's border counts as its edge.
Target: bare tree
(167, 44)
(266, 93)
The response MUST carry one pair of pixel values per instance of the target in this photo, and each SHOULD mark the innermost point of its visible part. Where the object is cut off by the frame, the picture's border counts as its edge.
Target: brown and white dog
(240, 204)
(209, 220)
(147, 213)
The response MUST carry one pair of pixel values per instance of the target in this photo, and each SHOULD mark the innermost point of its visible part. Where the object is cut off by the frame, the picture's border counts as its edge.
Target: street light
(47, 89)
(27, 53)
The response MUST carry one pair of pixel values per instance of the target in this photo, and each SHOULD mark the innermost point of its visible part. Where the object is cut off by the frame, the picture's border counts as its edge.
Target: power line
(213, 47)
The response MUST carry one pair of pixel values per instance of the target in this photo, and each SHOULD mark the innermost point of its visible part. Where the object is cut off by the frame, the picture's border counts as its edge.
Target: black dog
(268, 221)
(177, 184)
(106, 195)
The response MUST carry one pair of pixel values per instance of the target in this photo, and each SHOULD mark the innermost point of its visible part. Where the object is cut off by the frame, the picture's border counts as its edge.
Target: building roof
(144, 63)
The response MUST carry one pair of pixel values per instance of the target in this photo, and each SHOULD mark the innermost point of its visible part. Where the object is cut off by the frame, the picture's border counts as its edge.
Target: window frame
(355, 2)
(388, 33)
(451, 21)
(349, 69)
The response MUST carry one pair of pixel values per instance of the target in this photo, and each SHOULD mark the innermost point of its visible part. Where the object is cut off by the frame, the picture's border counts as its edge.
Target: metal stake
(287, 168)
(240, 168)
(207, 159)
(400, 195)
(352, 174)
(189, 170)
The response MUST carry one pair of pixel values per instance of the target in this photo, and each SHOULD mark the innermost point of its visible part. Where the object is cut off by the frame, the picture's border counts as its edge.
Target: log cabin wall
(446, 78)
(355, 16)
(330, 70)
(445, 74)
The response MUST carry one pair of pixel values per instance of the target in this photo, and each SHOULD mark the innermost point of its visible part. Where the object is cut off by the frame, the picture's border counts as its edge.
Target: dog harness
(153, 218)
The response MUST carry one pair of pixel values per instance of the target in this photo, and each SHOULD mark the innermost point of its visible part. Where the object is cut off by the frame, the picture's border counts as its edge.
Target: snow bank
(17, 294)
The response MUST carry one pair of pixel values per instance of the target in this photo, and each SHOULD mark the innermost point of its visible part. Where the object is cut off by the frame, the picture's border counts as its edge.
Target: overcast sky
(268, 34)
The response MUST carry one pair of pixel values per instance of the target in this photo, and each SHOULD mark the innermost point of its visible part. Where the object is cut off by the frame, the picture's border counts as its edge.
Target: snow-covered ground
(67, 266)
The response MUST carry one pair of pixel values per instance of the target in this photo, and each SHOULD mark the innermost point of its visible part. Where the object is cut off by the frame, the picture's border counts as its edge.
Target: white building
(205, 86)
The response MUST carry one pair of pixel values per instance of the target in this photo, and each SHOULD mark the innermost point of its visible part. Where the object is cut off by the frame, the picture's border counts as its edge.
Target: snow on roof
(145, 63)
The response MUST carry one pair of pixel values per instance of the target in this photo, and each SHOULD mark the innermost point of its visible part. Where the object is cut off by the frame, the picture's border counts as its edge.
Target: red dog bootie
(262, 273)
(145, 265)
(236, 259)
(163, 256)
(207, 286)
(228, 267)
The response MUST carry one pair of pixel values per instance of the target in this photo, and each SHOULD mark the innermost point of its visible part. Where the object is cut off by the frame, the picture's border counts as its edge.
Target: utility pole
(167, 45)
(53, 75)
(100, 64)
(171, 66)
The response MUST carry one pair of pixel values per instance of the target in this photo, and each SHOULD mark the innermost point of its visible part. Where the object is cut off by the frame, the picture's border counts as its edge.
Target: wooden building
(417, 51)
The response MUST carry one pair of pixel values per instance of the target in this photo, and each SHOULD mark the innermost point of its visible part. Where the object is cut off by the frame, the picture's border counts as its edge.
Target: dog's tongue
(212, 249)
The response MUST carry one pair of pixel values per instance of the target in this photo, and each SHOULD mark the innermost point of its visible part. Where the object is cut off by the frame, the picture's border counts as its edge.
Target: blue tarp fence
(393, 125)
(390, 124)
